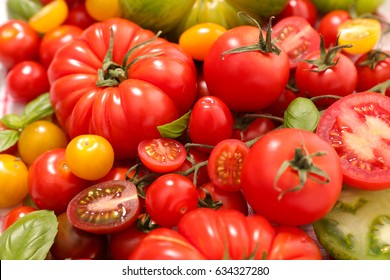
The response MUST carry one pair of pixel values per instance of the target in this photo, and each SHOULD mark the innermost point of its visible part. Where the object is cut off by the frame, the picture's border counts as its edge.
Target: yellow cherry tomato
(49, 17)
(103, 9)
(13, 180)
(89, 156)
(198, 39)
(362, 33)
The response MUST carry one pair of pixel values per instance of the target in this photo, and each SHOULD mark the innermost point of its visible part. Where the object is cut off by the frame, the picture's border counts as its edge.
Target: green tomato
(361, 6)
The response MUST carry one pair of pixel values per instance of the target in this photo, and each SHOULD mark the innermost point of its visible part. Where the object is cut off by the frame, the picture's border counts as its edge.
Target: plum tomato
(357, 126)
(329, 24)
(161, 154)
(15, 214)
(105, 207)
(225, 164)
(89, 156)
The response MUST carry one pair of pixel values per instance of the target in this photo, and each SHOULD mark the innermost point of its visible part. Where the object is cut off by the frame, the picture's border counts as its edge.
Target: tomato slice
(105, 208)
(162, 154)
(358, 127)
(296, 37)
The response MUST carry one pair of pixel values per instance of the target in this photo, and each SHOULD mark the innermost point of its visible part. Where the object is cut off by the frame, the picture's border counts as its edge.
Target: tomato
(17, 35)
(13, 178)
(214, 112)
(103, 9)
(296, 37)
(104, 208)
(162, 154)
(26, 81)
(79, 16)
(72, 243)
(299, 184)
(155, 90)
(51, 185)
(89, 156)
(50, 16)
(198, 39)
(116, 173)
(169, 197)
(225, 164)
(362, 33)
(39, 137)
(233, 77)
(255, 128)
(356, 127)
(15, 214)
(123, 243)
(328, 25)
(301, 8)
(278, 107)
(361, 6)
(55, 39)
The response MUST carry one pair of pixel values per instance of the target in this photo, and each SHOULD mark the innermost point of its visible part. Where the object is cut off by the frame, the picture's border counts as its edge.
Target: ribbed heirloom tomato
(126, 100)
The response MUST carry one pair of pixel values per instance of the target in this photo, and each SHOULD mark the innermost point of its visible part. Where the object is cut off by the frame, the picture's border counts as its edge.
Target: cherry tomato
(329, 24)
(105, 208)
(39, 137)
(79, 16)
(89, 156)
(198, 39)
(26, 81)
(13, 180)
(50, 16)
(254, 129)
(103, 9)
(162, 154)
(15, 214)
(18, 42)
(301, 8)
(281, 104)
(123, 243)
(169, 197)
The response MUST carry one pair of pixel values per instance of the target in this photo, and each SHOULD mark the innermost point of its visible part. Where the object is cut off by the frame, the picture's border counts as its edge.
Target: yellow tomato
(103, 9)
(13, 180)
(362, 33)
(50, 16)
(198, 39)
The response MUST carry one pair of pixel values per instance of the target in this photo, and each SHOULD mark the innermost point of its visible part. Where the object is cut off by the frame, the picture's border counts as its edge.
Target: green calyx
(373, 58)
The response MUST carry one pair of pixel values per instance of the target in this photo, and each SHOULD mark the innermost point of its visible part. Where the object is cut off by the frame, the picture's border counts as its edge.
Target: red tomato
(234, 77)
(296, 37)
(254, 129)
(169, 197)
(281, 104)
(50, 182)
(26, 81)
(78, 16)
(153, 91)
(18, 42)
(356, 126)
(286, 188)
(329, 24)
(301, 8)
(161, 154)
(225, 164)
(15, 214)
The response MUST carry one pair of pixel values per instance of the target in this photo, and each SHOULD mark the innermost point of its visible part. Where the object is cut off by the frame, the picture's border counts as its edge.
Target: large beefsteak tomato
(97, 89)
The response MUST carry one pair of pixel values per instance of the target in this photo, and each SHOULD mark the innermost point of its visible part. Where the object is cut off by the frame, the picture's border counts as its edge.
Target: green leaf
(302, 114)
(22, 9)
(30, 237)
(176, 128)
(8, 138)
(12, 121)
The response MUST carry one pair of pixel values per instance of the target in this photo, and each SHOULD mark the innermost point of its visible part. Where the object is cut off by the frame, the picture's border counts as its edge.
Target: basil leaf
(12, 121)
(22, 9)
(8, 138)
(301, 113)
(176, 128)
(30, 237)
(38, 108)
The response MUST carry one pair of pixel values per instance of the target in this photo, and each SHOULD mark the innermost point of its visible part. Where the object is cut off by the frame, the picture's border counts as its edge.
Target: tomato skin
(233, 77)
(15, 214)
(302, 8)
(123, 243)
(329, 24)
(300, 207)
(78, 16)
(17, 35)
(256, 128)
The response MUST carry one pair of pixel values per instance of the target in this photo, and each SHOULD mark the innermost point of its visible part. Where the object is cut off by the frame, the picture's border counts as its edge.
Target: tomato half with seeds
(104, 208)
(162, 154)
(357, 126)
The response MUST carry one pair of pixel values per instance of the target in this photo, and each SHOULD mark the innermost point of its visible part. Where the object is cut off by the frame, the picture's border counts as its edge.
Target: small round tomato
(79, 16)
(15, 214)
(103, 9)
(198, 39)
(89, 156)
(225, 164)
(39, 137)
(13, 180)
(162, 154)
(18, 42)
(49, 17)
(169, 197)
(329, 24)
(302, 8)
(362, 33)
(254, 129)
(26, 81)
(105, 208)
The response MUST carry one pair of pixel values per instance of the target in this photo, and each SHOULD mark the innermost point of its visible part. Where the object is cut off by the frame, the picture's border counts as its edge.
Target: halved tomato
(358, 127)
(105, 208)
(296, 37)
